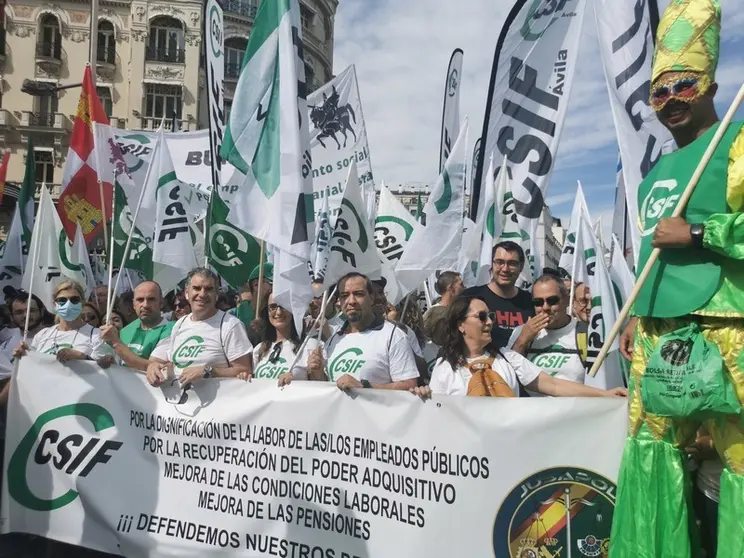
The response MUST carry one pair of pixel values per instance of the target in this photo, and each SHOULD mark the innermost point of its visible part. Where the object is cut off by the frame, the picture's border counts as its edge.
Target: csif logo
(189, 349)
(660, 202)
(349, 219)
(215, 31)
(228, 247)
(74, 453)
(347, 362)
(541, 16)
(271, 370)
(391, 234)
(453, 82)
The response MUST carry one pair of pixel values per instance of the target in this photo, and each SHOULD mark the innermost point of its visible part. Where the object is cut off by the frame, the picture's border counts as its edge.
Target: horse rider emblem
(331, 119)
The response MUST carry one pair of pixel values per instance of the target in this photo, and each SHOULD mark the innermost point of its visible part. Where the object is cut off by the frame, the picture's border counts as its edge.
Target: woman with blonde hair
(70, 338)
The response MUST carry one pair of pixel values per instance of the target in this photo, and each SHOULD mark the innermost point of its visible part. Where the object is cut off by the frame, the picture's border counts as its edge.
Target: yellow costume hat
(688, 40)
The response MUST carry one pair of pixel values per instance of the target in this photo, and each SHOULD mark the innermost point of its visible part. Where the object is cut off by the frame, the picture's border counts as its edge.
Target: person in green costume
(699, 278)
(135, 343)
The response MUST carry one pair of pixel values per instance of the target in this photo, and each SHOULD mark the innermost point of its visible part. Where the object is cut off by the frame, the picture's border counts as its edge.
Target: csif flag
(266, 137)
(322, 244)
(80, 198)
(81, 259)
(26, 198)
(451, 107)
(530, 86)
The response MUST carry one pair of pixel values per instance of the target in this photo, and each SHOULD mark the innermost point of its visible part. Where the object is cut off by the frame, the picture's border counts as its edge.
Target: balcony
(153, 123)
(242, 8)
(170, 55)
(49, 57)
(118, 122)
(5, 122)
(46, 123)
(232, 71)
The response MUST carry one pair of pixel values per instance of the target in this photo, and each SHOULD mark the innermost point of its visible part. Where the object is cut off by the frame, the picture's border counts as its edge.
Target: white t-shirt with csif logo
(380, 354)
(217, 341)
(267, 370)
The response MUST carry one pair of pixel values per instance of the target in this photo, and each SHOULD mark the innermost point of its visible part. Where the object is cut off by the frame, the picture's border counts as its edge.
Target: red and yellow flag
(80, 200)
(4, 174)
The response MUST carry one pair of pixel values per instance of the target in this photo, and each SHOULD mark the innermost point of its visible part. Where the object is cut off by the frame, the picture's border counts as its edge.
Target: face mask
(68, 311)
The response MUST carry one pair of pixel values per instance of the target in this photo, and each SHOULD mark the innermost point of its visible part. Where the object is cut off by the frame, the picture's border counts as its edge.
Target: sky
(401, 49)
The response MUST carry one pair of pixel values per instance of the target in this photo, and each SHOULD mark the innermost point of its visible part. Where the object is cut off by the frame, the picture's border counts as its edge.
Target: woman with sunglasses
(70, 338)
(471, 364)
(279, 346)
(181, 307)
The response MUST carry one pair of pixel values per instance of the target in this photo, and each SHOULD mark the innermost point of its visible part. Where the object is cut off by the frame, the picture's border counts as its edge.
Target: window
(104, 93)
(106, 42)
(307, 17)
(166, 40)
(45, 107)
(309, 76)
(228, 108)
(162, 100)
(50, 39)
(234, 51)
(44, 163)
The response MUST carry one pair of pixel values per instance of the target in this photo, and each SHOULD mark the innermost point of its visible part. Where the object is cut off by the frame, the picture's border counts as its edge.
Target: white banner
(338, 138)
(627, 49)
(529, 93)
(102, 460)
(214, 45)
(451, 107)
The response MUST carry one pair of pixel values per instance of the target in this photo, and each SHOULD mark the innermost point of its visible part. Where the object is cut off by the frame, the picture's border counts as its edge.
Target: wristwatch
(697, 231)
(208, 371)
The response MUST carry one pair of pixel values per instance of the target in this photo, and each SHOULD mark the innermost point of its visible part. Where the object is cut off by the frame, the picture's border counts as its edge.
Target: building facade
(149, 65)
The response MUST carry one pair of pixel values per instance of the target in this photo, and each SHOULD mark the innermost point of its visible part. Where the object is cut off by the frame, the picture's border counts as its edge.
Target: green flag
(26, 198)
(140, 253)
(232, 253)
(419, 208)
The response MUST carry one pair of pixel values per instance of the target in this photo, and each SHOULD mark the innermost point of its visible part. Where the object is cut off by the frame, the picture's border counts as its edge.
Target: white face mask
(68, 311)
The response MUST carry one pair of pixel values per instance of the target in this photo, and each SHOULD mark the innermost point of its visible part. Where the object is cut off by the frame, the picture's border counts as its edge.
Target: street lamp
(44, 88)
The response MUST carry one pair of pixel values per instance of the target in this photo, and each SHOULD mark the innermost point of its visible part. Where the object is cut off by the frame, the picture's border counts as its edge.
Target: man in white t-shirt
(367, 352)
(206, 343)
(553, 340)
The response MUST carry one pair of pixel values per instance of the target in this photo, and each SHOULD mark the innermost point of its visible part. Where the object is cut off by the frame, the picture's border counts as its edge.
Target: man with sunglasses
(138, 340)
(512, 306)
(206, 343)
(699, 279)
(554, 341)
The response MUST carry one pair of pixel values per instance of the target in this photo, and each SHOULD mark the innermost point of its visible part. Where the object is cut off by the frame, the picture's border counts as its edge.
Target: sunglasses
(551, 300)
(181, 305)
(64, 299)
(485, 316)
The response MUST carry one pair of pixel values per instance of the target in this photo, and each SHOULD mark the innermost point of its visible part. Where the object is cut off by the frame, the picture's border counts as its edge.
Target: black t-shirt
(510, 312)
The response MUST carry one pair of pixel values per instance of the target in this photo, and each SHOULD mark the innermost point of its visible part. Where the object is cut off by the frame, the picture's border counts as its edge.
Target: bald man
(138, 340)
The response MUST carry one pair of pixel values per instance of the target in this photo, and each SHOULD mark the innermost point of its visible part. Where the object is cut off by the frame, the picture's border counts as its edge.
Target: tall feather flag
(267, 140)
(568, 255)
(80, 199)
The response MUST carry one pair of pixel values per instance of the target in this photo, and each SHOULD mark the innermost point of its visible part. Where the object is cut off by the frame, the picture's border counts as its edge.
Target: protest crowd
(450, 307)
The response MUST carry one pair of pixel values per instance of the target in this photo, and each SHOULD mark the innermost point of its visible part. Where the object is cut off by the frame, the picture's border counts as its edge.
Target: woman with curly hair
(471, 364)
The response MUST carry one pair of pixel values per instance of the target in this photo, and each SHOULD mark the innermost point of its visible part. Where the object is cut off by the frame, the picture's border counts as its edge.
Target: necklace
(56, 347)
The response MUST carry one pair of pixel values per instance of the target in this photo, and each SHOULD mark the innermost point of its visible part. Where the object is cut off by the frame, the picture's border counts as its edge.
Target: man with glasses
(554, 341)
(512, 307)
(138, 340)
(206, 343)
(368, 351)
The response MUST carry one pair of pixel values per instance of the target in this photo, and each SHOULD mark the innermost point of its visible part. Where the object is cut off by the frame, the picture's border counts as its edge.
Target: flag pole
(686, 195)
(316, 323)
(34, 265)
(111, 295)
(260, 277)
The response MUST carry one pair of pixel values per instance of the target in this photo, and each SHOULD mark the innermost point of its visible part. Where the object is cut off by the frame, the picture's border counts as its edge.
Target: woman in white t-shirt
(70, 338)
(472, 365)
(278, 349)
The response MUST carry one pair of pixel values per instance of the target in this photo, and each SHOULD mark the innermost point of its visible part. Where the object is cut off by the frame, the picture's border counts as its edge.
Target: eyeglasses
(511, 264)
(64, 299)
(274, 307)
(551, 300)
(484, 316)
(182, 305)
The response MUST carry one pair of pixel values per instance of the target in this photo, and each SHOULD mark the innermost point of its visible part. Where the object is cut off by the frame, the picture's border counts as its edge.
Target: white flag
(436, 246)
(12, 250)
(622, 277)
(267, 135)
(569, 254)
(353, 242)
(394, 226)
(49, 260)
(467, 265)
(451, 108)
(172, 244)
(82, 260)
(490, 220)
(322, 244)
(604, 310)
